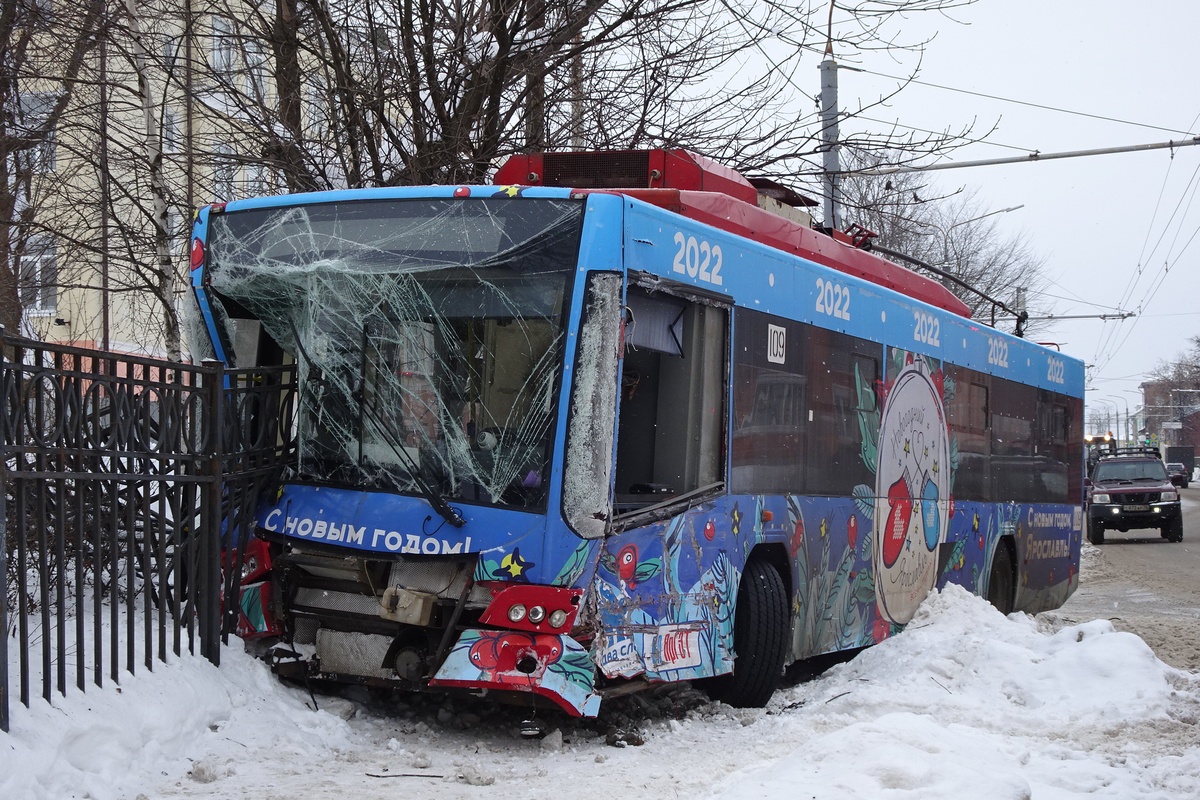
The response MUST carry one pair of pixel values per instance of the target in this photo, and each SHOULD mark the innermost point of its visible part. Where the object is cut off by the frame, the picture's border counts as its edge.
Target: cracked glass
(428, 333)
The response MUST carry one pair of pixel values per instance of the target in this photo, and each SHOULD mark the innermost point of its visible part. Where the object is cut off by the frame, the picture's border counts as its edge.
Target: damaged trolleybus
(609, 423)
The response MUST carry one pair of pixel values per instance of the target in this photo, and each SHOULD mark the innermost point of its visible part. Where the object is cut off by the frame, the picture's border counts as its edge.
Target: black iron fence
(125, 479)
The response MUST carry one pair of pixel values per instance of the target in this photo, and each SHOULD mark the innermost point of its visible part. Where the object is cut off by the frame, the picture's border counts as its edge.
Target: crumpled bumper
(553, 666)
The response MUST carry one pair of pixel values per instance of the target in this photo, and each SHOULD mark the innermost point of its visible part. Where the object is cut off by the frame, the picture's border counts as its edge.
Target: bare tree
(382, 92)
(954, 232)
(1182, 371)
(344, 93)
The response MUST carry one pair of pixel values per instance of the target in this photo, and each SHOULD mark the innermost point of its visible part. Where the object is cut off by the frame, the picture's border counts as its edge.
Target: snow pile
(104, 743)
(965, 703)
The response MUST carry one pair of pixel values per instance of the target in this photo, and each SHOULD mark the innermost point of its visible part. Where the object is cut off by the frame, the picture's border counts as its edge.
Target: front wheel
(1001, 580)
(1173, 530)
(759, 639)
(1095, 533)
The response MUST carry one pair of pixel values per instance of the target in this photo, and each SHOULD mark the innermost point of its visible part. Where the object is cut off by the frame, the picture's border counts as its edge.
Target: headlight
(1100, 497)
(1170, 496)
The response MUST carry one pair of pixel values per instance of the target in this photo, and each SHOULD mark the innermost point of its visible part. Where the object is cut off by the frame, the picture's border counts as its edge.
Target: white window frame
(38, 281)
(224, 55)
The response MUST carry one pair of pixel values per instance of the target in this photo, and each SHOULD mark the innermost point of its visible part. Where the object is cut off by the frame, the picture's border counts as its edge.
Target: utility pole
(829, 135)
(829, 132)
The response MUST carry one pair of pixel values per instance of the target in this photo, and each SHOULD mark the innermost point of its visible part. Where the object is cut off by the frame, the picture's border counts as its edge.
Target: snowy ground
(965, 703)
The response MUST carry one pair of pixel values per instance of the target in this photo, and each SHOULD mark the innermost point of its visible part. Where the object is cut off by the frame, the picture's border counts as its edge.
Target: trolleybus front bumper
(553, 666)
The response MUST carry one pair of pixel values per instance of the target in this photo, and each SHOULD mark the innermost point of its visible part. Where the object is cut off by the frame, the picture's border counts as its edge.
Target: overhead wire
(1028, 103)
(1107, 344)
(1109, 334)
(1160, 277)
(1107, 347)
(898, 124)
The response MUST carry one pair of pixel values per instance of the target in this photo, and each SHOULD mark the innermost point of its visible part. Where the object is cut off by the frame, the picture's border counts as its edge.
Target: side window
(38, 277)
(33, 121)
(841, 378)
(671, 429)
(222, 57)
(770, 404)
(1052, 456)
(1014, 414)
(967, 413)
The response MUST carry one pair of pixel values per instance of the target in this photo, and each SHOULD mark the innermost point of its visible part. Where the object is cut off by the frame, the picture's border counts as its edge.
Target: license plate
(1135, 508)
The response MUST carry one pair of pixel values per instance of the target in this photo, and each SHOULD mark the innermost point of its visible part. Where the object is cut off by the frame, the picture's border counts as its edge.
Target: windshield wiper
(439, 504)
(431, 495)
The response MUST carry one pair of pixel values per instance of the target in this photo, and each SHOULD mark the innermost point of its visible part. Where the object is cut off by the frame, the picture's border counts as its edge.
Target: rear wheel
(759, 639)
(1001, 579)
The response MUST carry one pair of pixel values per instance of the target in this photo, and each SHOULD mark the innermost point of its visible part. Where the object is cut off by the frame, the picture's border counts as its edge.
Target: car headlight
(1170, 496)
(1100, 497)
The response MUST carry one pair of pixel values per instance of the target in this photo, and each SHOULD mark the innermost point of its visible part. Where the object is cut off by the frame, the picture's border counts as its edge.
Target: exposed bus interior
(672, 405)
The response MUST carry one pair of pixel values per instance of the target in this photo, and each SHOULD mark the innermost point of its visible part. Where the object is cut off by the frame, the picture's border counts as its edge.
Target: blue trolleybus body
(568, 443)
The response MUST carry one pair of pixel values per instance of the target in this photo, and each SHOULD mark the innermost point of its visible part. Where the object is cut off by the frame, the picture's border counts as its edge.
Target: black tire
(1173, 530)
(760, 634)
(1095, 533)
(1002, 580)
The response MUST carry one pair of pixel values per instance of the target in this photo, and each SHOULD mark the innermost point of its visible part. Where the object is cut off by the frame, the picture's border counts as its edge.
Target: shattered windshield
(428, 335)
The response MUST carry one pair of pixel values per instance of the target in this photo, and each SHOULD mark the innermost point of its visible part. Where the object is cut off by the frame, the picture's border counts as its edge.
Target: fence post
(4, 481)
(210, 535)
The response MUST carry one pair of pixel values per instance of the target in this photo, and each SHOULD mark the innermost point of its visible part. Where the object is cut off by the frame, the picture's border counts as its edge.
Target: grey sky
(1107, 225)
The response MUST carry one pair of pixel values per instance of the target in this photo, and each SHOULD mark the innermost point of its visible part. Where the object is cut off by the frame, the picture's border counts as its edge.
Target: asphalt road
(1146, 585)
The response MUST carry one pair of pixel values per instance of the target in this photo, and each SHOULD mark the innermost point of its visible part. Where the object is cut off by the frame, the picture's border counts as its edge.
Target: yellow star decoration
(511, 191)
(514, 564)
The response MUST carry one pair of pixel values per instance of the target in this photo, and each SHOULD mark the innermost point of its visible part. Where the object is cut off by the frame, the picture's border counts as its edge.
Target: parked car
(1131, 490)
(1178, 474)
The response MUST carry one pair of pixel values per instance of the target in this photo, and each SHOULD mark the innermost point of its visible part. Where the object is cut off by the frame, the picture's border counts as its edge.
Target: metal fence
(125, 482)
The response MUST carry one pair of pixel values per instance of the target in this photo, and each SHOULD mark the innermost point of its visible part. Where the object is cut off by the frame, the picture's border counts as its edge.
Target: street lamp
(945, 232)
(1128, 433)
(1139, 417)
(1107, 418)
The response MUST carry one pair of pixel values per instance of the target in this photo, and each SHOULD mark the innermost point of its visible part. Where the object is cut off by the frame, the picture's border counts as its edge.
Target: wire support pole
(1032, 157)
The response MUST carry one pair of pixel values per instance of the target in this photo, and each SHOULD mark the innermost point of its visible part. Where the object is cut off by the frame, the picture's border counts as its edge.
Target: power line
(1108, 335)
(1160, 276)
(1027, 103)
(848, 115)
